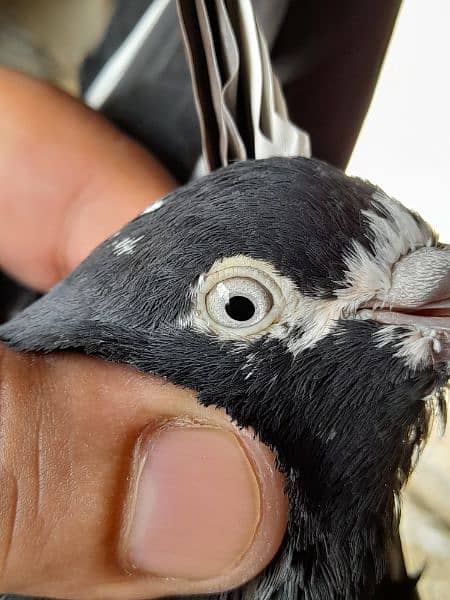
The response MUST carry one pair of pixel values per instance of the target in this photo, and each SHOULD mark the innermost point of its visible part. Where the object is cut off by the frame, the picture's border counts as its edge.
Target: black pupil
(240, 308)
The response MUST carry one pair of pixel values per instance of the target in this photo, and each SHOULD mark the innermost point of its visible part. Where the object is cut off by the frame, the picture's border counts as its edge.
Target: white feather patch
(368, 276)
(417, 347)
(125, 245)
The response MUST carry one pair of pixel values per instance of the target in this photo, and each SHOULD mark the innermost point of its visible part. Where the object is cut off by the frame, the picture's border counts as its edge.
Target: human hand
(114, 484)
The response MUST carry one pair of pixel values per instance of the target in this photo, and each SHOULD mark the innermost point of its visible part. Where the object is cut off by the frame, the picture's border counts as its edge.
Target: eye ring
(240, 301)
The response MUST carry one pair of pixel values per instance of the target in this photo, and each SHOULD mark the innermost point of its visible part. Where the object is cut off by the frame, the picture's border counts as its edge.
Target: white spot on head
(388, 334)
(185, 320)
(331, 435)
(153, 207)
(125, 245)
(417, 346)
(251, 363)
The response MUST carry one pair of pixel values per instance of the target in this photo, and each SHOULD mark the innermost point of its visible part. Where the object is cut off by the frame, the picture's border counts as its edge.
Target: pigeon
(309, 305)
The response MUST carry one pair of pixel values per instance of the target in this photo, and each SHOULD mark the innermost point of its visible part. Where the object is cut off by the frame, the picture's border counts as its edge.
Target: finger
(68, 179)
(119, 485)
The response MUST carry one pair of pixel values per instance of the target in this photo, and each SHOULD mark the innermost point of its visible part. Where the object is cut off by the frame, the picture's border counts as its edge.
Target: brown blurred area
(49, 38)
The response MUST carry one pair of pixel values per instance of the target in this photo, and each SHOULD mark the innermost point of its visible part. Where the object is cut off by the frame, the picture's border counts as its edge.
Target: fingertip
(206, 507)
(69, 179)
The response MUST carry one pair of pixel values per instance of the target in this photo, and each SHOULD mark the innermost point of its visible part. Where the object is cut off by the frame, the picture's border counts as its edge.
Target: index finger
(68, 179)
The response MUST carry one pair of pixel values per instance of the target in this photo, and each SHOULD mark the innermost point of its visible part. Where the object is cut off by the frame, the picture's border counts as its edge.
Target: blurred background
(404, 147)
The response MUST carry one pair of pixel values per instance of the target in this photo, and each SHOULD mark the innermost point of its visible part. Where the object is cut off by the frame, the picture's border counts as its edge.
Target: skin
(72, 429)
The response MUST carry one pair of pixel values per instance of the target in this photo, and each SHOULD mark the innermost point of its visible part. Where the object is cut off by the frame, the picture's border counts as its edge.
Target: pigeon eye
(238, 302)
(242, 299)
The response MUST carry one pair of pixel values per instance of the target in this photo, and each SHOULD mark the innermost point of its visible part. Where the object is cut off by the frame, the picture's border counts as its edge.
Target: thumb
(120, 485)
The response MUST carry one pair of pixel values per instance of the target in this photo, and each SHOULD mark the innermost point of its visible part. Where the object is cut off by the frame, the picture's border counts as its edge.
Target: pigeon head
(309, 305)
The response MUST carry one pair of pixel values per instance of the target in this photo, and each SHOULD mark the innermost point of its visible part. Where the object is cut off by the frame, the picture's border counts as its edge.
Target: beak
(419, 295)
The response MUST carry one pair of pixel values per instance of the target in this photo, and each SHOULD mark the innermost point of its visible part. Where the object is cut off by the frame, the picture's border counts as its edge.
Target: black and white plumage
(303, 302)
(335, 366)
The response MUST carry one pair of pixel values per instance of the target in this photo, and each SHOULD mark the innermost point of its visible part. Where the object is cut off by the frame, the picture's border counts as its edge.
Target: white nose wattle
(420, 278)
(419, 298)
